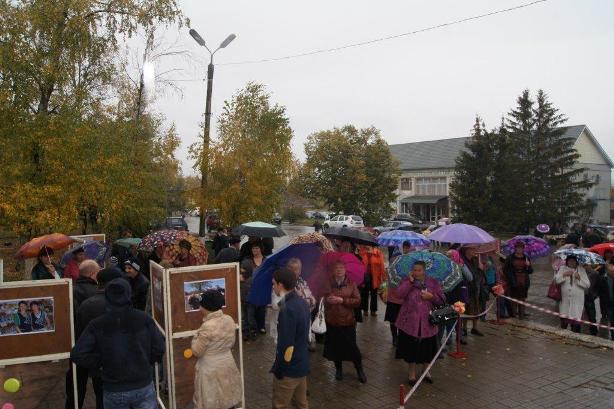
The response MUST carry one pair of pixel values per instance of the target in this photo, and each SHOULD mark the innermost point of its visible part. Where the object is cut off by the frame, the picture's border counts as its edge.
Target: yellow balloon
(187, 354)
(12, 385)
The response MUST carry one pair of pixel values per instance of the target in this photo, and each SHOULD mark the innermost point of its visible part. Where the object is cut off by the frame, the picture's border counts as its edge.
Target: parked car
(342, 220)
(407, 217)
(176, 223)
(277, 218)
(606, 233)
(393, 225)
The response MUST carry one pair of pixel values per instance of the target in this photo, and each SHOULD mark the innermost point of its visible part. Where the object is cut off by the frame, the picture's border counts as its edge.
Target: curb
(563, 333)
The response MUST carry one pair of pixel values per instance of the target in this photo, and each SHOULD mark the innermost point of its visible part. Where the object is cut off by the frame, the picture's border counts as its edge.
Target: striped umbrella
(398, 237)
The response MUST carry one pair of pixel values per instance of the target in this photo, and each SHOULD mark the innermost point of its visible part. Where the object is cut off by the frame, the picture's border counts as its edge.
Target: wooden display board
(181, 323)
(36, 327)
(159, 308)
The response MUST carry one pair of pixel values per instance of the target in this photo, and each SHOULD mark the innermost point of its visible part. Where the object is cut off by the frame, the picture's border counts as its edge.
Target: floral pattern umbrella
(315, 238)
(158, 239)
(199, 251)
(584, 257)
(438, 266)
(534, 247)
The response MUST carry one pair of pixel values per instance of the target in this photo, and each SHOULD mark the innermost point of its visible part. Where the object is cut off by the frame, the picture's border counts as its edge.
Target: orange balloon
(187, 354)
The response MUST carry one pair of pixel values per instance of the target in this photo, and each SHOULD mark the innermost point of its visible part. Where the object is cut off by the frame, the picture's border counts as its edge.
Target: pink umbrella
(319, 281)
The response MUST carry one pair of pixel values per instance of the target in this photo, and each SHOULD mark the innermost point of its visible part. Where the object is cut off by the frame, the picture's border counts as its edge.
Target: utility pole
(204, 166)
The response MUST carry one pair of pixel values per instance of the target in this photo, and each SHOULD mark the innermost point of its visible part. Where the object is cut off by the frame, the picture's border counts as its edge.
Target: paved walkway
(510, 367)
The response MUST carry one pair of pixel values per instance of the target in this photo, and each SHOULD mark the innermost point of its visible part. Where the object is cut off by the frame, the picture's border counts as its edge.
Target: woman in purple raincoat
(417, 342)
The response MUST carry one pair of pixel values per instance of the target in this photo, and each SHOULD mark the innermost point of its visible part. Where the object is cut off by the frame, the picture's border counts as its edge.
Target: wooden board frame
(52, 356)
(161, 323)
(180, 338)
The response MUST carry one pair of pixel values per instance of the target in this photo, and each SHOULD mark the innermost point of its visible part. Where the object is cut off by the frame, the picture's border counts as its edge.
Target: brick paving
(510, 367)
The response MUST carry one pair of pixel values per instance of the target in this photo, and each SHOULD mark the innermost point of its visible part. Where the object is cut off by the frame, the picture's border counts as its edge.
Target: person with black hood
(139, 284)
(123, 344)
(90, 309)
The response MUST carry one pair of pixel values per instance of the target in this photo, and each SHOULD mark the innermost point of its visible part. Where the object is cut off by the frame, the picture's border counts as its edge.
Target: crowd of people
(117, 342)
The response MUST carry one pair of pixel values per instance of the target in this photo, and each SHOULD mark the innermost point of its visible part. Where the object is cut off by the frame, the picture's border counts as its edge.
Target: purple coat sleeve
(404, 288)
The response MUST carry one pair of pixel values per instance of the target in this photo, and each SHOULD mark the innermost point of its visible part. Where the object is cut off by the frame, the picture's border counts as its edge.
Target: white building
(427, 168)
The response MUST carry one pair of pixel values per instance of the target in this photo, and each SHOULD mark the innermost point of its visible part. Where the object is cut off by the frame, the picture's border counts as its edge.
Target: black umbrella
(353, 235)
(258, 229)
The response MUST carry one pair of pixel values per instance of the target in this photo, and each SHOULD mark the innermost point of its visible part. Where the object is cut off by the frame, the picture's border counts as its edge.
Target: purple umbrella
(461, 234)
(534, 247)
(94, 250)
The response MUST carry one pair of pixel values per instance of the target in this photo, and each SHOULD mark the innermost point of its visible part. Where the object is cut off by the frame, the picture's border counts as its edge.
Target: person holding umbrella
(72, 267)
(517, 270)
(417, 343)
(185, 257)
(46, 269)
(340, 300)
(249, 266)
(574, 283)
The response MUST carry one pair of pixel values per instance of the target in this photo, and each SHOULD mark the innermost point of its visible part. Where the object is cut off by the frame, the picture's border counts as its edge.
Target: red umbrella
(602, 248)
(53, 241)
(355, 270)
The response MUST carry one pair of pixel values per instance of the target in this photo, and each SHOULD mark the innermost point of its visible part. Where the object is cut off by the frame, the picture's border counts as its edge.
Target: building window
(405, 183)
(432, 186)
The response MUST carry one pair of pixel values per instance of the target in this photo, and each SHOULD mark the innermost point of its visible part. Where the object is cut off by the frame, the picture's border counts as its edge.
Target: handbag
(554, 291)
(318, 326)
(442, 314)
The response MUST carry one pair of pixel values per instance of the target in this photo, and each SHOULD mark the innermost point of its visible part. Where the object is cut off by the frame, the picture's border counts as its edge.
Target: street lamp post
(204, 167)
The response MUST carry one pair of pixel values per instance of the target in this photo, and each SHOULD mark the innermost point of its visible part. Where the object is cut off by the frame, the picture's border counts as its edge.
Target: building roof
(442, 153)
(438, 154)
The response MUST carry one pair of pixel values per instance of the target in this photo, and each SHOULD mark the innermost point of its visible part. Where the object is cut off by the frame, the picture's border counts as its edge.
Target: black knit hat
(212, 300)
(107, 274)
(118, 293)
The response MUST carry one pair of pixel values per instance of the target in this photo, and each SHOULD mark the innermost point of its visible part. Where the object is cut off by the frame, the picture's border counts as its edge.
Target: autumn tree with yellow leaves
(251, 160)
(76, 147)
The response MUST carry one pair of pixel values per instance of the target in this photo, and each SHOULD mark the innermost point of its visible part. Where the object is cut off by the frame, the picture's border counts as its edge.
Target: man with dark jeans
(122, 345)
(605, 288)
(590, 297)
(291, 365)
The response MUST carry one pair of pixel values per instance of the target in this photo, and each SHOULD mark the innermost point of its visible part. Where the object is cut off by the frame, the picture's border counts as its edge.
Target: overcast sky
(421, 87)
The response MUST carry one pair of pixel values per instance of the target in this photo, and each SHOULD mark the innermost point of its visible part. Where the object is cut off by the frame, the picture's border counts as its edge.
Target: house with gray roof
(427, 168)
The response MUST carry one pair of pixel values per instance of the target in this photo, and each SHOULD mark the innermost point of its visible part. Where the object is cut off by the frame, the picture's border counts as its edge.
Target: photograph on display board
(193, 289)
(26, 316)
(158, 292)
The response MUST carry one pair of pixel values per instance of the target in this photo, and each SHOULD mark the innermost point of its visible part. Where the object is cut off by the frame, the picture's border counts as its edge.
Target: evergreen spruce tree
(561, 184)
(470, 190)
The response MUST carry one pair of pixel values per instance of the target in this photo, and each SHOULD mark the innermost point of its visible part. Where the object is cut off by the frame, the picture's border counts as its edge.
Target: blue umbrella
(94, 250)
(308, 253)
(398, 237)
(438, 266)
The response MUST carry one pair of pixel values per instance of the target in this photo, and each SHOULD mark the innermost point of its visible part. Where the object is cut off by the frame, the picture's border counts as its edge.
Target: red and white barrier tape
(558, 314)
(428, 368)
(471, 317)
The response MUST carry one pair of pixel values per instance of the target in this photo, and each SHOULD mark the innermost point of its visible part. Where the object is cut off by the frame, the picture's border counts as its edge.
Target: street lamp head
(197, 37)
(228, 40)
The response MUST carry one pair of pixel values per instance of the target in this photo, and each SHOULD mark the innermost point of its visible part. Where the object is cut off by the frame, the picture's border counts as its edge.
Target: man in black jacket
(122, 344)
(86, 284)
(229, 254)
(90, 309)
(139, 284)
(605, 289)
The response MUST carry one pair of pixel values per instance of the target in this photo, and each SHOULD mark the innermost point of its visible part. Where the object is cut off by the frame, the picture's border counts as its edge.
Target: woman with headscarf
(340, 300)
(217, 384)
(417, 342)
(517, 269)
(574, 282)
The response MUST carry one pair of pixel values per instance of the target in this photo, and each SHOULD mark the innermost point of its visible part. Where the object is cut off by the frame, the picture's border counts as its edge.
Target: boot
(338, 370)
(361, 374)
